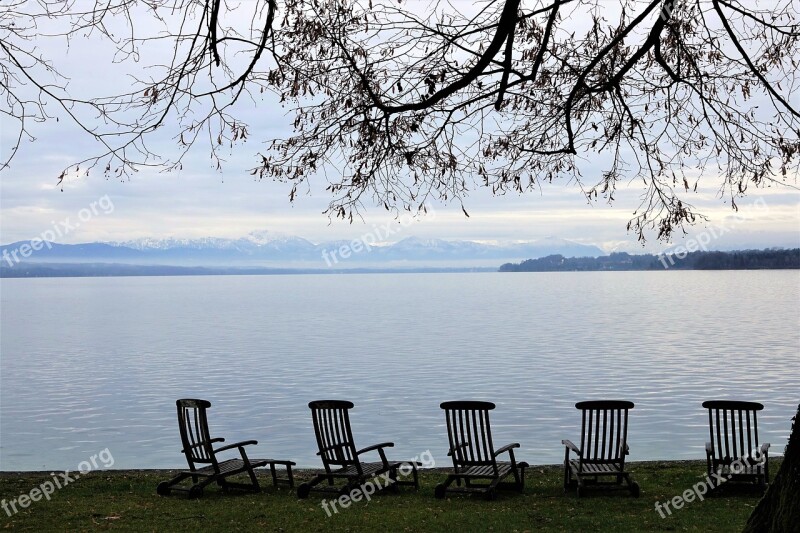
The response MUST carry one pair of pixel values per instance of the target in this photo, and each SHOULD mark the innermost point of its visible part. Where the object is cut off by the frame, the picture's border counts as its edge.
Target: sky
(200, 201)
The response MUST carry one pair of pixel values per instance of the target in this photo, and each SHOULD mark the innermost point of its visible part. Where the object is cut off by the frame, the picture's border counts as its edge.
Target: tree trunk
(779, 509)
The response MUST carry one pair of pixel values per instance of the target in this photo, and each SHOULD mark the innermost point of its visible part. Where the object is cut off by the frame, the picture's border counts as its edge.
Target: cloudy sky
(200, 201)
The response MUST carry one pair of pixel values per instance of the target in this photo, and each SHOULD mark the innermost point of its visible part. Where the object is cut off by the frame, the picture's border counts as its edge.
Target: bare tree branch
(395, 104)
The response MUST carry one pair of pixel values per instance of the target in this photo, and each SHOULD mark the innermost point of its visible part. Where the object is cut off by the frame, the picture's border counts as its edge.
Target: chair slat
(584, 441)
(742, 448)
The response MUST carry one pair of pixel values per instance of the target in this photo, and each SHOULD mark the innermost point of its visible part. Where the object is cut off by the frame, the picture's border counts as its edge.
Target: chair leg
(305, 488)
(493, 484)
(520, 476)
(581, 490)
(761, 478)
(252, 473)
(632, 486)
(516, 477)
(406, 468)
(567, 477)
(276, 479)
(275, 474)
(349, 486)
(196, 490)
(490, 493)
(165, 487)
(441, 488)
(393, 480)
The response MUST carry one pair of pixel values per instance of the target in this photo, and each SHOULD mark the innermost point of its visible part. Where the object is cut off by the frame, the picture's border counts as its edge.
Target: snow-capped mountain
(254, 240)
(169, 243)
(274, 249)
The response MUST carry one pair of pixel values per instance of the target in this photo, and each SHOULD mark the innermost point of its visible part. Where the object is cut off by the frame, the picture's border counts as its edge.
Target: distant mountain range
(263, 248)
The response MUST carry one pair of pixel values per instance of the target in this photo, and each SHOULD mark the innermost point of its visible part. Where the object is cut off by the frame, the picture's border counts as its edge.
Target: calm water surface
(94, 363)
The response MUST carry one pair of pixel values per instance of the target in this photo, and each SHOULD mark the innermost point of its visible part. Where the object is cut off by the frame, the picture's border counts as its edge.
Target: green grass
(127, 501)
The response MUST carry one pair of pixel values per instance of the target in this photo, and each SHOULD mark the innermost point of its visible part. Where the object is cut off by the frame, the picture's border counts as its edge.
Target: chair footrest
(278, 462)
(289, 479)
(404, 468)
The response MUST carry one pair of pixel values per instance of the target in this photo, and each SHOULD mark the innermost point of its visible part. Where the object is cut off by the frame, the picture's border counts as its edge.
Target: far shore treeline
(699, 260)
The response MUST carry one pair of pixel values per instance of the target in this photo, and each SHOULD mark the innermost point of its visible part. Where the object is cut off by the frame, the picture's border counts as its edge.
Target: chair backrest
(334, 437)
(604, 431)
(733, 428)
(469, 433)
(193, 424)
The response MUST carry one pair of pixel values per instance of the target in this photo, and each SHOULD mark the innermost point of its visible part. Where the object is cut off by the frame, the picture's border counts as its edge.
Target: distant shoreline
(769, 259)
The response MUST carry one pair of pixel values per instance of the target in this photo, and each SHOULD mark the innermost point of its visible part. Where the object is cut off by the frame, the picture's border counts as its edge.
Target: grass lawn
(127, 501)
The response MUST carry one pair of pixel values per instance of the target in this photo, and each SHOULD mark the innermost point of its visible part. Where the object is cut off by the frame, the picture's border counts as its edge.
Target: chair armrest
(457, 447)
(212, 441)
(375, 447)
(380, 448)
(236, 445)
(571, 446)
(505, 448)
(765, 460)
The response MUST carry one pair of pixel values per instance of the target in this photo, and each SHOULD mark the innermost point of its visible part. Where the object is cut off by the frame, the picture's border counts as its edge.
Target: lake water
(95, 363)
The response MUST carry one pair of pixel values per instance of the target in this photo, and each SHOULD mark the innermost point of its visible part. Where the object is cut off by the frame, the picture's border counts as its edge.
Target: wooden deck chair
(204, 465)
(734, 452)
(341, 459)
(474, 456)
(604, 445)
